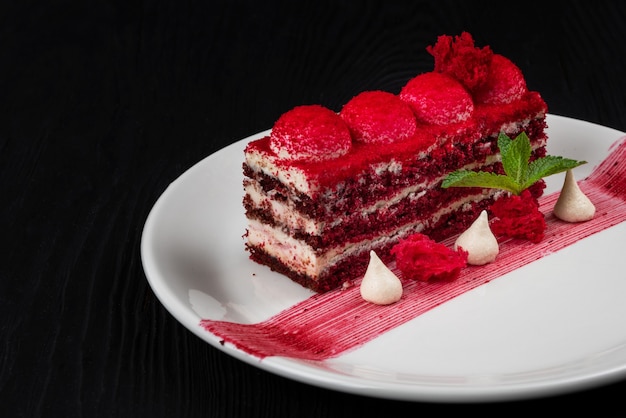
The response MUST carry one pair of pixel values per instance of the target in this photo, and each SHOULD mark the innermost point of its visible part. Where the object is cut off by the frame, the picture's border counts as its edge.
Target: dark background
(103, 104)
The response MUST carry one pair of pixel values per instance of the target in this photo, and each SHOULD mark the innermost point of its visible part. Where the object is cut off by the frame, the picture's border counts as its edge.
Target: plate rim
(309, 372)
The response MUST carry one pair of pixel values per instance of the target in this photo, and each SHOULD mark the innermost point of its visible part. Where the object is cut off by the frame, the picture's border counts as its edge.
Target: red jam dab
(420, 258)
(518, 216)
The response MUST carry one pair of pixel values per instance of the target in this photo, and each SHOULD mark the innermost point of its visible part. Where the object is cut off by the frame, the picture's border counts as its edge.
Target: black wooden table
(103, 104)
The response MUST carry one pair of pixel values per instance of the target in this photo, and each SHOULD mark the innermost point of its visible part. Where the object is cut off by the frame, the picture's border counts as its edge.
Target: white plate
(557, 325)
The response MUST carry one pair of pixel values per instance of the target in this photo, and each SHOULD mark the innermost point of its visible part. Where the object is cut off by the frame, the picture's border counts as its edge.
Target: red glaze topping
(310, 133)
(437, 99)
(459, 58)
(378, 117)
(420, 258)
(504, 84)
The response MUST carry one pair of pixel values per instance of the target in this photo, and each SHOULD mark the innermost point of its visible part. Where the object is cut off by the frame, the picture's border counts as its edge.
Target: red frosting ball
(378, 117)
(437, 99)
(310, 133)
(504, 84)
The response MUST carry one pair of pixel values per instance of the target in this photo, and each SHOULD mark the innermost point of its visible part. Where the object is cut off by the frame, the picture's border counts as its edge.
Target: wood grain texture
(103, 104)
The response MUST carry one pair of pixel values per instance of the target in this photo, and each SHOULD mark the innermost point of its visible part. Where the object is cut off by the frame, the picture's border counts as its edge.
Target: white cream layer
(301, 257)
(284, 212)
(296, 179)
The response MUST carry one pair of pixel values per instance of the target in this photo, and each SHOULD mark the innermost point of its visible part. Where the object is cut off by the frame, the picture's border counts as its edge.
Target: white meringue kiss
(573, 205)
(380, 285)
(479, 242)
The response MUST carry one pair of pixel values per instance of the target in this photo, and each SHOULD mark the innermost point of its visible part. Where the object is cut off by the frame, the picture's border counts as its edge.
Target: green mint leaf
(519, 173)
(504, 142)
(515, 155)
(547, 166)
(468, 178)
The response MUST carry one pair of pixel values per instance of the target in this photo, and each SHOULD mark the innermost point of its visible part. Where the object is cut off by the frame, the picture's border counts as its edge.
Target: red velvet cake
(325, 188)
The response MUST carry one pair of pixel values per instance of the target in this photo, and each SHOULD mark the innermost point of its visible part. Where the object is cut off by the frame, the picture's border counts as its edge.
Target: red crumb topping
(420, 258)
(378, 117)
(437, 99)
(491, 78)
(459, 58)
(310, 133)
(504, 84)
(518, 217)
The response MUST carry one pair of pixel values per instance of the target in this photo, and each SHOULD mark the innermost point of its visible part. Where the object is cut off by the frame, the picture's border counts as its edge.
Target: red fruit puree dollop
(518, 217)
(420, 258)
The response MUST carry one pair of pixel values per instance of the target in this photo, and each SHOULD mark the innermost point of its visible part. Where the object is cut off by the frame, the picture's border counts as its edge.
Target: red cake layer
(317, 203)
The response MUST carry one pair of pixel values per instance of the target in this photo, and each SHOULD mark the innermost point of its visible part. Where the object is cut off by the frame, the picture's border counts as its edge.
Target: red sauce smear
(329, 324)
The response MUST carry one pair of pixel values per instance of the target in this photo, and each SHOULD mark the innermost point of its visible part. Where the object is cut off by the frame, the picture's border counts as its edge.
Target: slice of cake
(326, 188)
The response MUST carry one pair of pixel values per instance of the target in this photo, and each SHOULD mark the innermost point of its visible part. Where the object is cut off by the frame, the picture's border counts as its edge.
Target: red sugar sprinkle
(378, 117)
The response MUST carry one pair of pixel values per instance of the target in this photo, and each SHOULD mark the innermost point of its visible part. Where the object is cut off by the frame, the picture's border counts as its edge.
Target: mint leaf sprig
(519, 175)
